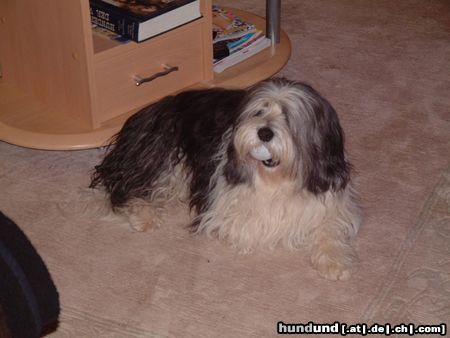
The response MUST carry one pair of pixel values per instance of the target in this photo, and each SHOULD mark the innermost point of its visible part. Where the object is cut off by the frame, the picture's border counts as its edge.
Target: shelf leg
(273, 10)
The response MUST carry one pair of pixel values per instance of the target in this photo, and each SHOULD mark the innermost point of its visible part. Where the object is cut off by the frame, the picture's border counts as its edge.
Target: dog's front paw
(141, 225)
(142, 216)
(333, 265)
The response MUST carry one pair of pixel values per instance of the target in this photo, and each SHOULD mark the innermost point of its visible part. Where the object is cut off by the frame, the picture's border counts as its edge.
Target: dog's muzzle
(261, 153)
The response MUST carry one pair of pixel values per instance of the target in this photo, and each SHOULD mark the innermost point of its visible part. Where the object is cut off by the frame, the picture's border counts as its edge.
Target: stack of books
(234, 40)
(139, 20)
(107, 34)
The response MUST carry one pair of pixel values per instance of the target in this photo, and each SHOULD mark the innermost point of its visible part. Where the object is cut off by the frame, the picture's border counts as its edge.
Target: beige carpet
(385, 66)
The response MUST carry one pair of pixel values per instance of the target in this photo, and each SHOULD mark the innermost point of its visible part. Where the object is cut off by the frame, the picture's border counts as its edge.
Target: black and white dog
(258, 167)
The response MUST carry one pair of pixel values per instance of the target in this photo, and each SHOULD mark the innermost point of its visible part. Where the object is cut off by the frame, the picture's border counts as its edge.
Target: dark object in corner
(29, 301)
(220, 50)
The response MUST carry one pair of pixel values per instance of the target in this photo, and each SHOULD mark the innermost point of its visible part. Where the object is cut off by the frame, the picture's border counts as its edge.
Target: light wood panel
(45, 53)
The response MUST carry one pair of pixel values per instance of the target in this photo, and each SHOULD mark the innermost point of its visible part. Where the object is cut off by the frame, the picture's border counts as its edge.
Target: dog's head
(287, 129)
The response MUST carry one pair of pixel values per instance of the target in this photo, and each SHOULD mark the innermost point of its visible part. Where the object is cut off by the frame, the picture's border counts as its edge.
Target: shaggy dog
(258, 168)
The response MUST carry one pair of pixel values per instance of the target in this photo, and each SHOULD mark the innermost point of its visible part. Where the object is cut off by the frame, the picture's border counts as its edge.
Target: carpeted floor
(384, 65)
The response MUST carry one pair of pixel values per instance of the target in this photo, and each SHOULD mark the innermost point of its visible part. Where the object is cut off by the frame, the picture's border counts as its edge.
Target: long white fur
(264, 216)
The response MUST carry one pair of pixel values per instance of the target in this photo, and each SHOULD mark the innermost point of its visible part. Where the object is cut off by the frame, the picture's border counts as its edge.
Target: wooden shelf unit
(65, 88)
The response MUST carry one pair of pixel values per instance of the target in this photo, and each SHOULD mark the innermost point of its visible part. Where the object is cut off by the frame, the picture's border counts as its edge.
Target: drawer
(116, 90)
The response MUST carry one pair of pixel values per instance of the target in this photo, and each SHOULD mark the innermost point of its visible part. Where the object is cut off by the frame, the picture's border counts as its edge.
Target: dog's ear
(324, 163)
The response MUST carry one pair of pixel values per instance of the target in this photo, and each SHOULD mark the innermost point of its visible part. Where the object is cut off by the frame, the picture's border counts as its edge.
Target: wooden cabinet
(63, 87)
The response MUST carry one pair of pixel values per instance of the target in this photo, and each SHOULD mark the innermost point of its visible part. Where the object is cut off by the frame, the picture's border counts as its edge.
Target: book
(140, 20)
(107, 34)
(244, 41)
(228, 26)
(234, 39)
(224, 48)
(257, 46)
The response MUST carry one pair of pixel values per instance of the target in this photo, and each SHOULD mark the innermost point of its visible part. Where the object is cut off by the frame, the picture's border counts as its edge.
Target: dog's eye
(258, 113)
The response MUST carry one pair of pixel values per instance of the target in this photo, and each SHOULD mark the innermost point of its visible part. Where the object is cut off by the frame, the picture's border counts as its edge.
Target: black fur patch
(328, 167)
(187, 127)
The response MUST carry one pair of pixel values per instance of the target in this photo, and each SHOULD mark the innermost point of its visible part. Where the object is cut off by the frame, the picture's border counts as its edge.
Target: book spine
(113, 20)
(241, 55)
(255, 38)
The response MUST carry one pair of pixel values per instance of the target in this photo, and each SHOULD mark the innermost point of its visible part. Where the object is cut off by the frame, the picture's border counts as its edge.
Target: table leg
(273, 10)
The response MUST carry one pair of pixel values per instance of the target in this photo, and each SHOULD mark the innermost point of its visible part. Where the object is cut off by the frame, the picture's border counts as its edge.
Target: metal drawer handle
(167, 70)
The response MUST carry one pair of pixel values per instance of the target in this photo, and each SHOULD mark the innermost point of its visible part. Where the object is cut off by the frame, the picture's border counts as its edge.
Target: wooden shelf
(28, 123)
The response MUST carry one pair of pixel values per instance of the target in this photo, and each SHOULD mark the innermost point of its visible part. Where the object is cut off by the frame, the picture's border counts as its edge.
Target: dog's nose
(265, 134)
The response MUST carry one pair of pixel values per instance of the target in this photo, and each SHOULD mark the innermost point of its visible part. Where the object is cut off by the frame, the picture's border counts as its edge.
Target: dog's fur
(198, 146)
